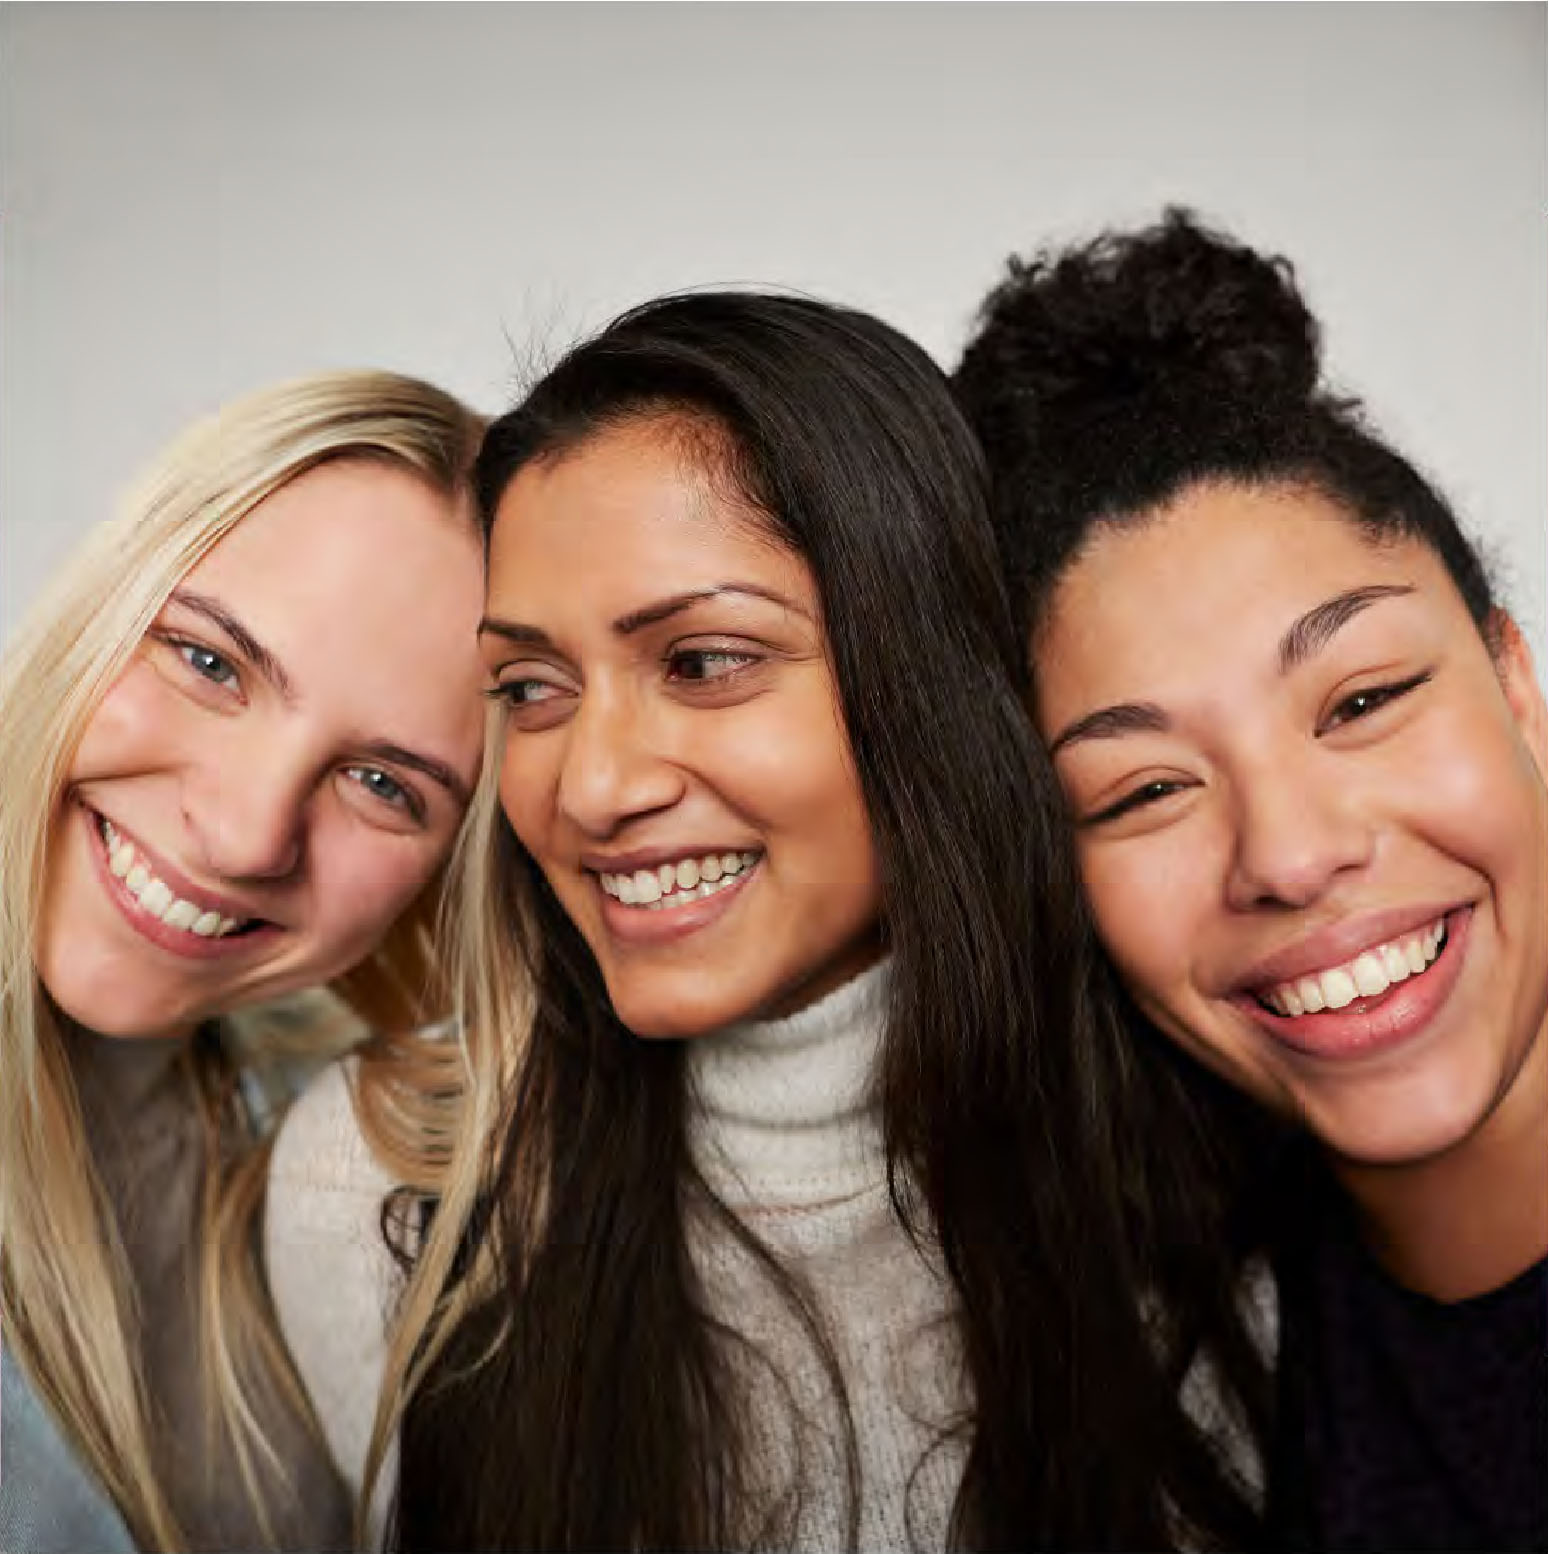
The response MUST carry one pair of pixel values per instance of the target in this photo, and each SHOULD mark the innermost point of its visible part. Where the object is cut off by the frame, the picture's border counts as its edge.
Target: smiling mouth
(1368, 976)
(671, 885)
(154, 897)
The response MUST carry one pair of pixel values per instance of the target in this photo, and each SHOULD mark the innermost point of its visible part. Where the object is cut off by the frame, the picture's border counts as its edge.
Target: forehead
(363, 582)
(1209, 584)
(633, 513)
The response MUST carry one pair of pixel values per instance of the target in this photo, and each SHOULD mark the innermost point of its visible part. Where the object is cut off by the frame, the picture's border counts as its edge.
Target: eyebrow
(437, 771)
(1316, 628)
(646, 615)
(1305, 638)
(273, 671)
(261, 658)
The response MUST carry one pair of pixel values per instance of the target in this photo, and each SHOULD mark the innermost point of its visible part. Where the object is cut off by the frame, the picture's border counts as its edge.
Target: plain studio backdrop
(198, 199)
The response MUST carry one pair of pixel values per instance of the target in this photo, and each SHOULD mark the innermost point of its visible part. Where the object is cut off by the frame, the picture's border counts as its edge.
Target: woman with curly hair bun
(1303, 749)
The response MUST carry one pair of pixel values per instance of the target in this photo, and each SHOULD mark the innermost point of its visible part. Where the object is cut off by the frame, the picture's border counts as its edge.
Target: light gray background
(200, 198)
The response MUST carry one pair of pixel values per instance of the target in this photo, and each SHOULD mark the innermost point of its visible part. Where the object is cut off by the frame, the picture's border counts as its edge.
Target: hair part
(64, 1302)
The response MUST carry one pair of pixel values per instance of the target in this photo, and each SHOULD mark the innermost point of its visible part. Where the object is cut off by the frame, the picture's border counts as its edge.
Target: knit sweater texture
(787, 1131)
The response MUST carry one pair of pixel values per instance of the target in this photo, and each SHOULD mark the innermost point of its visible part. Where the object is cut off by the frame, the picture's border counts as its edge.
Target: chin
(678, 1008)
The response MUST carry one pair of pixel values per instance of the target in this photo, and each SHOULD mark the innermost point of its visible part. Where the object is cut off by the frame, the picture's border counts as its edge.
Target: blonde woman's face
(282, 765)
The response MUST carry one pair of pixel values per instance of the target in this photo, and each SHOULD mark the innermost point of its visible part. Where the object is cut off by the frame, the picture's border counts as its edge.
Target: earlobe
(1523, 691)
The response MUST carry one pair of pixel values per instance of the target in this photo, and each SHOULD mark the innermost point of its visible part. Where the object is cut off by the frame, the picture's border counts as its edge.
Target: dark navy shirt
(1405, 1422)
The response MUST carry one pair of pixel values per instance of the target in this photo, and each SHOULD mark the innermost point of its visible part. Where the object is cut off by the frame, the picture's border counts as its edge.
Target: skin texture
(268, 788)
(1288, 818)
(710, 728)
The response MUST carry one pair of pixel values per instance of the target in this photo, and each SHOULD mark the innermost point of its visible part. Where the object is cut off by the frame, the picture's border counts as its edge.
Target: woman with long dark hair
(1303, 749)
(791, 1229)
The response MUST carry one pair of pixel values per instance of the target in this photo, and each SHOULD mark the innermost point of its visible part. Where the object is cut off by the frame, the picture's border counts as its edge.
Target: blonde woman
(240, 734)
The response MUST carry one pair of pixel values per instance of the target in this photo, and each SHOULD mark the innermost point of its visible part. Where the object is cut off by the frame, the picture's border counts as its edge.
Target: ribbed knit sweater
(786, 1130)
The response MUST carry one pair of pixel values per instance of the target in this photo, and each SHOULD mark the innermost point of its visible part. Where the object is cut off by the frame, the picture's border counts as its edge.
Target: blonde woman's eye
(522, 693)
(697, 664)
(386, 788)
(207, 663)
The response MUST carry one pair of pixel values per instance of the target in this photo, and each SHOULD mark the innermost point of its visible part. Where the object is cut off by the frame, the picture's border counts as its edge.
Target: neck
(1469, 1220)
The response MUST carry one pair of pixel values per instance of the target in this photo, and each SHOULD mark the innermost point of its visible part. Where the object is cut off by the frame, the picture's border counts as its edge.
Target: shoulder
(332, 1275)
(49, 1503)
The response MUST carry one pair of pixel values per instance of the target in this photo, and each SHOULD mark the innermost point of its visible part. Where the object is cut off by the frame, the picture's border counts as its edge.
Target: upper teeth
(155, 896)
(1369, 973)
(686, 880)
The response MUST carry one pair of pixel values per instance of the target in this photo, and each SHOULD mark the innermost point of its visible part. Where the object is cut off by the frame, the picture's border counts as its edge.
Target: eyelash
(1374, 697)
(1146, 793)
(187, 647)
(511, 692)
(406, 798)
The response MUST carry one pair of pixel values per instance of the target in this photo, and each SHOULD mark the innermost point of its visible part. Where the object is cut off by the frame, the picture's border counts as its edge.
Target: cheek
(363, 884)
(1148, 897)
(139, 723)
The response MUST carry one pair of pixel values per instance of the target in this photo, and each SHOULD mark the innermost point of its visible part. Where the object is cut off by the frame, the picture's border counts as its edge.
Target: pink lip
(1339, 942)
(641, 926)
(179, 942)
(652, 857)
(1371, 1025)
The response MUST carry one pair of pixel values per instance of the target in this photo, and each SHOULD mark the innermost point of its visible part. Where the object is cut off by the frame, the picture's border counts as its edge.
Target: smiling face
(282, 765)
(1311, 815)
(676, 760)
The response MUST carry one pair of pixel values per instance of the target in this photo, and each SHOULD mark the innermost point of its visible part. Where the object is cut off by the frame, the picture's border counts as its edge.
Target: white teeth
(1338, 989)
(155, 896)
(1368, 975)
(669, 884)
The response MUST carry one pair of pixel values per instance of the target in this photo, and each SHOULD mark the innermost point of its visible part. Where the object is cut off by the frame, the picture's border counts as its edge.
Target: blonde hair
(441, 1146)
(65, 1308)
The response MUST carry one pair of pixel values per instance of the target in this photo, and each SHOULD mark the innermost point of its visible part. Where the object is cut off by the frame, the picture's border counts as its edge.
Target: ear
(1523, 693)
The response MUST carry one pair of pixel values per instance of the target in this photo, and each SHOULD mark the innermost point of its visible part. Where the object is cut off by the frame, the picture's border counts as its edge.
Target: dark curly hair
(1105, 380)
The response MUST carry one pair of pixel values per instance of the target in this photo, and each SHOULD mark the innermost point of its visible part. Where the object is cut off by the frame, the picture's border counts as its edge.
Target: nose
(245, 807)
(615, 768)
(1298, 830)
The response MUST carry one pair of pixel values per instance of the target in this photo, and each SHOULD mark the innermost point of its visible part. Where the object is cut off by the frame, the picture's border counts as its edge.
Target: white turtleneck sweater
(786, 1131)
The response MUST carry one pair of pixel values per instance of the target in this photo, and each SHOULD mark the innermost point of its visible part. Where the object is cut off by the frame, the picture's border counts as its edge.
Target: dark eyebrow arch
(1316, 628)
(437, 771)
(664, 609)
(1129, 717)
(261, 658)
(637, 620)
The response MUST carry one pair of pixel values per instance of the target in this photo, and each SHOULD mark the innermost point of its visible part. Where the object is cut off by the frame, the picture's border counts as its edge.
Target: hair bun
(1172, 312)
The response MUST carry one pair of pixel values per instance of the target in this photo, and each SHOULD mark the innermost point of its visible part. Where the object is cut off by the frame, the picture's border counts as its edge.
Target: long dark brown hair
(588, 1402)
(1104, 381)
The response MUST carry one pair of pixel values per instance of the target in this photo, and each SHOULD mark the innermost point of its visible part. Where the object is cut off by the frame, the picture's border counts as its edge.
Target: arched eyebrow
(1317, 627)
(647, 615)
(1306, 637)
(256, 653)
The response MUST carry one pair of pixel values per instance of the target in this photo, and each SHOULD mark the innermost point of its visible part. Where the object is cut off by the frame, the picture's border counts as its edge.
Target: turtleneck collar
(785, 1110)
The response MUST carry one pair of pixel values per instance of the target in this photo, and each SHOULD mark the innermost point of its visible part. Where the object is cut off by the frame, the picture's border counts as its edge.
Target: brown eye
(706, 663)
(1361, 704)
